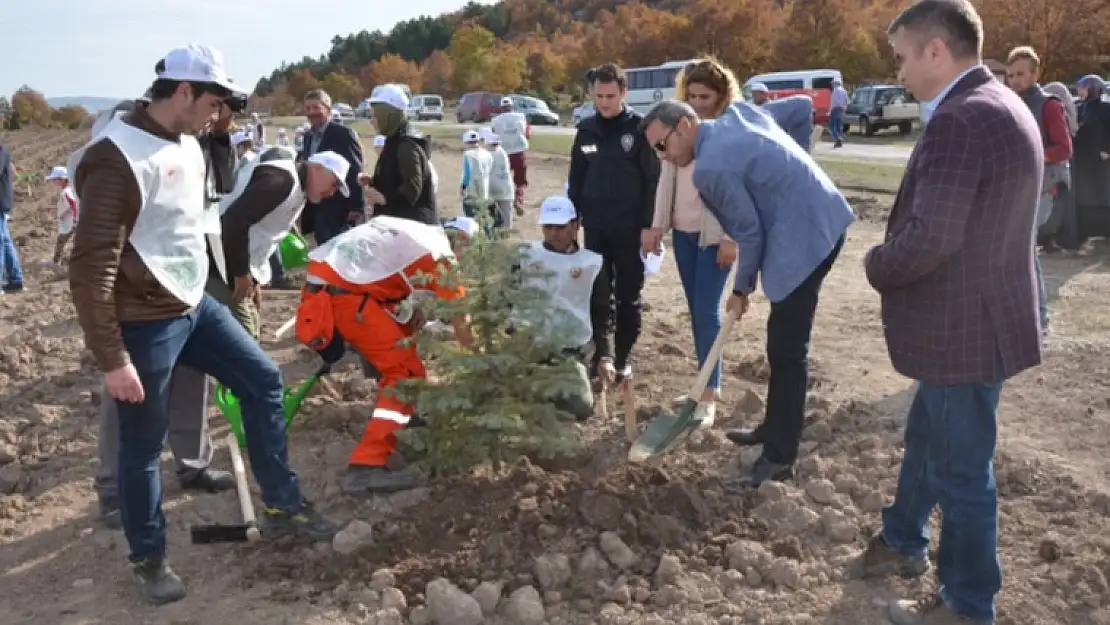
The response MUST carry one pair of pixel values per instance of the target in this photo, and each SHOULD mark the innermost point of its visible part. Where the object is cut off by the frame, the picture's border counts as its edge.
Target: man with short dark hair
(959, 303)
(613, 175)
(137, 277)
(789, 221)
(1023, 69)
(335, 214)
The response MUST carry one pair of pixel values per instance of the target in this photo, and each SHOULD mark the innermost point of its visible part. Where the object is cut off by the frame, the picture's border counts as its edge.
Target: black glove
(333, 352)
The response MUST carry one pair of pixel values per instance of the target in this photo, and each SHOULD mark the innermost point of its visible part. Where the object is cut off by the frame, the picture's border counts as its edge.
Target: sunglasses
(661, 145)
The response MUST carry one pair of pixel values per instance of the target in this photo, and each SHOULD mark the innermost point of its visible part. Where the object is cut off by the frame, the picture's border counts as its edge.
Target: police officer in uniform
(613, 175)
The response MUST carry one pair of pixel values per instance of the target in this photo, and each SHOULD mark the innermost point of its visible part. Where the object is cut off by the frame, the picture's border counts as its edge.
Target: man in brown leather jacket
(140, 265)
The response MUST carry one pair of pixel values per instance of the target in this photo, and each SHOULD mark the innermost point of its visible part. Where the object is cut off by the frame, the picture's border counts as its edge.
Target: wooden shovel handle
(714, 355)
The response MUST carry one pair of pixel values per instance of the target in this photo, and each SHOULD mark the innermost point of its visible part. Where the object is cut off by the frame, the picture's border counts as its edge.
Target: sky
(108, 48)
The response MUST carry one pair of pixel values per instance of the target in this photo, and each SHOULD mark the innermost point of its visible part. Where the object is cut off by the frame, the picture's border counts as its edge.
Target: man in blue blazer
(337, 213)
(789, 221)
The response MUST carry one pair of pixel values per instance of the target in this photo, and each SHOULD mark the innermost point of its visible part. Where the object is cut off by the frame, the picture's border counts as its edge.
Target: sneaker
(305, 523)
(705, 414)
(931, 611)
(363, 480)
(109, 514)
(761, 471)
(207, 480)
(157, 582)
(879, 560)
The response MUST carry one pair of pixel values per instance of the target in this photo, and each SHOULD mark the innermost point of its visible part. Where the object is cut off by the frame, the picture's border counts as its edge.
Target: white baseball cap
(470, 136)
(379, 141)
(197, 63)
(462, 223)
(240, 137)
(758, 87)
(337, 165)
(557, 211)
(491, 138)
(506, 101)
(58, 173)
(391, 94)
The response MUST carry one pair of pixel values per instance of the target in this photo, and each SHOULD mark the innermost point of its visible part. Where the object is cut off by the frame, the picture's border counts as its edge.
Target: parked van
(816, 83)
(478, 107)
(425, 106)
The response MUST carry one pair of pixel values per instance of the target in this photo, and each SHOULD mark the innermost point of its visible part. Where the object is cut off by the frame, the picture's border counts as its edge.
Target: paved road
(850, 151)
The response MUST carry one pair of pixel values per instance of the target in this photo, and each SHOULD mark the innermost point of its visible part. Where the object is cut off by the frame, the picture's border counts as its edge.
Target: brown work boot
(931, 611)
(879, 560)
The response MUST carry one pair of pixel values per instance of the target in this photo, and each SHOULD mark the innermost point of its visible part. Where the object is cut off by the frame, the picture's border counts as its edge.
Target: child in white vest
(474, 186)
(501, 189)
(67, 210)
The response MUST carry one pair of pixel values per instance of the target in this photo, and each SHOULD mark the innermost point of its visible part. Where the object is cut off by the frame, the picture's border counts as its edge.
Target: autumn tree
(822, 33)
(506, 73)
(391, 68)
(70, 116)
(301, 82)
(437, 71)
(342, 88)
(470, 57)
(31, 107)
(1068, 36)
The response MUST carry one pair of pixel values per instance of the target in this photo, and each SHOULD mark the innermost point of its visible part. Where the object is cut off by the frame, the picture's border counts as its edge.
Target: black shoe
(109, 514)
(158, 583)
(379, 480)
(838, 144)
(761, 471)
(207, 480)
(745, 437)
(306, 522)
(417, 420)
(13, 288)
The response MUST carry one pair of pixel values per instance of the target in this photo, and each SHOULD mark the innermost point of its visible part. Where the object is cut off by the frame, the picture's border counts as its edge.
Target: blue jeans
(210, 340)
(836, 124)
(704, 284)
(951, 432)
(9, 257)
(1042, 295)
(277, 271)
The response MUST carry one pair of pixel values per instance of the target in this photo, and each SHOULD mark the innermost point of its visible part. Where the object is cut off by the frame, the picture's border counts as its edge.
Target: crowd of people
(176, 218)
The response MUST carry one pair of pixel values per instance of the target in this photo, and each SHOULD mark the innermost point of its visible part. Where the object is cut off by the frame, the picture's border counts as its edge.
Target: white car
(585, 111)
(425, 106)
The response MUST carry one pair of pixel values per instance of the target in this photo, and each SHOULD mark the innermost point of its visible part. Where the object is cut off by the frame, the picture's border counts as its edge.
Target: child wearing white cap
(282, 138)
(474, 186)
(243, 144)
(559, 266)
(501, 189)
(67, 210)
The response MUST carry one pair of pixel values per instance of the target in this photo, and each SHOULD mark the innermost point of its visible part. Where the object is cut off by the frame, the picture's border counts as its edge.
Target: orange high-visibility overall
(361, 316)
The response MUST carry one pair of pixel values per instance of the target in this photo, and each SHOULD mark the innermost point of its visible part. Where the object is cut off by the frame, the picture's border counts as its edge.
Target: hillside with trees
(544, 47)
(28, 107)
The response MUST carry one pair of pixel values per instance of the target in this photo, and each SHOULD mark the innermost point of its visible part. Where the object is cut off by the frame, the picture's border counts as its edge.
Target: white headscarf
(1060, 91)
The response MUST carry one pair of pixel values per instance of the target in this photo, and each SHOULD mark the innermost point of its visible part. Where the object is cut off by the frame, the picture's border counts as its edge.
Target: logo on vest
(183, 272)
(576, 273)
(627, 141)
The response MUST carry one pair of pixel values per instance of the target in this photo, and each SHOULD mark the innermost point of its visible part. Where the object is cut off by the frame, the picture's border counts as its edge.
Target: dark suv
(877, 107)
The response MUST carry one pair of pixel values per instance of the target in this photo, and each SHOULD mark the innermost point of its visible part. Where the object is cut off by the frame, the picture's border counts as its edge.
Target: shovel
(667, 430)
(291, 402)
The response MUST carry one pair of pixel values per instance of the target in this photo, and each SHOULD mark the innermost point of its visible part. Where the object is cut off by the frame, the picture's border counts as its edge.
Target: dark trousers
(788, 333)
(277, 271)
(616, 295)
(328, 224)
(518, 164)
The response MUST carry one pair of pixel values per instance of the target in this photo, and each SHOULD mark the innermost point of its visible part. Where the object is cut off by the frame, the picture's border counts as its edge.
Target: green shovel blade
(664, 433)
(291, 405)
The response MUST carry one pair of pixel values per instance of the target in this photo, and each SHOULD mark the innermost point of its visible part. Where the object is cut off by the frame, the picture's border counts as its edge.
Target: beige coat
(710, 232)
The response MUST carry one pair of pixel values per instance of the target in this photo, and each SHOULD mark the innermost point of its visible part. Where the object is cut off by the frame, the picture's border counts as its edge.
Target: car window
(823, 83)
(491, 99)
(467, 100)
(434, 101)
(782, 85)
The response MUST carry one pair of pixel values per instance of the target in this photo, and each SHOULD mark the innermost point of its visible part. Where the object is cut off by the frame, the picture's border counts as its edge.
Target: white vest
(512, 128)
(168, 233)
(381, 247)
(501, 176)
(67, 218)
(570, 283)
(266, 235)
(481, 164)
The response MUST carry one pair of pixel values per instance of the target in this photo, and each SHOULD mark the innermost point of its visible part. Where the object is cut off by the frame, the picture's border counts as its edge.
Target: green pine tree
(493, 405)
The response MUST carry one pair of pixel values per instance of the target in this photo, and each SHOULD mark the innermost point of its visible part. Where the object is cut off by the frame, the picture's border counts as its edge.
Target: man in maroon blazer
(959, 305)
